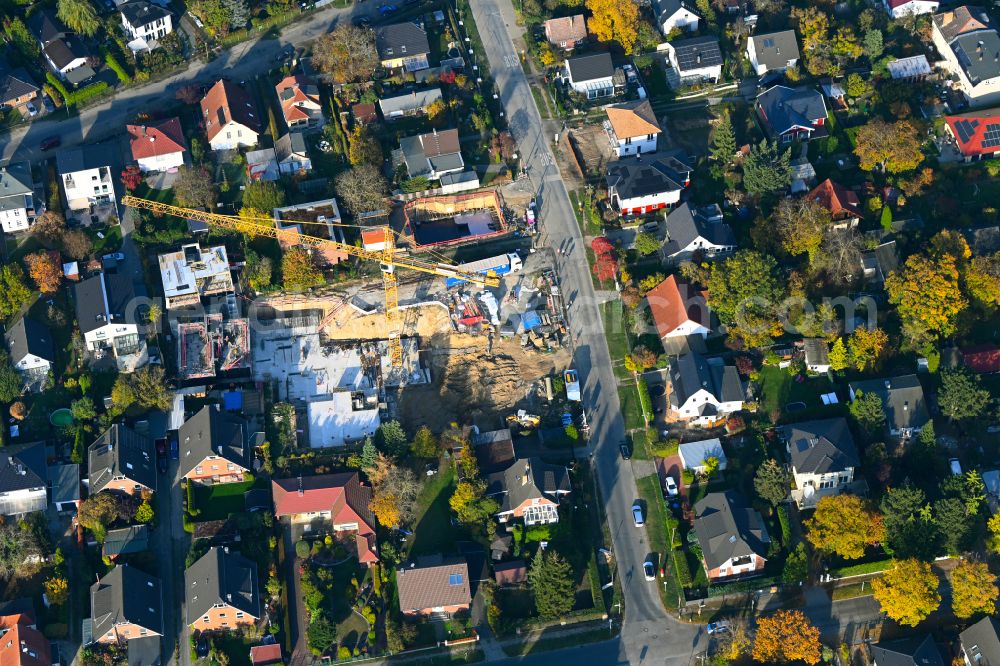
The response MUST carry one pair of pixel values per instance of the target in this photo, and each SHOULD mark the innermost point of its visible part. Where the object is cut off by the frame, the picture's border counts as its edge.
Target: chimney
(906, 406)
(697, 58)
(888, 384)
(219, 449)
(301, 489)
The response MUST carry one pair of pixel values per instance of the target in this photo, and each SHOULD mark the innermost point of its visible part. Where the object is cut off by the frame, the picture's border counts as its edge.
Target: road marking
(511, 61)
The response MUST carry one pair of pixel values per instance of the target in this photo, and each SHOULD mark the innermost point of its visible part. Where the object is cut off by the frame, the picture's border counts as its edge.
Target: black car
(50, 143)
(362, 22)
(161, 455)
(626, 451)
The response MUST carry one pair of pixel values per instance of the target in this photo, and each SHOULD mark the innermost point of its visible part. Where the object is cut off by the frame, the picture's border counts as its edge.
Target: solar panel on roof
(992, 136)
(966, 129)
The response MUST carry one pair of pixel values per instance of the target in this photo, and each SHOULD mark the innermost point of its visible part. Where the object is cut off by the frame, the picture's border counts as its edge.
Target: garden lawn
(216, 502)
(628, 396)
(146, 192)
(779, 389)
(433, 531)
(233, 646)
(558, 642)
(615, 334)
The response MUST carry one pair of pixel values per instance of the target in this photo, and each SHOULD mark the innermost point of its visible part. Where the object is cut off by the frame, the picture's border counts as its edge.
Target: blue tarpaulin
(530, 320)
(232, 401)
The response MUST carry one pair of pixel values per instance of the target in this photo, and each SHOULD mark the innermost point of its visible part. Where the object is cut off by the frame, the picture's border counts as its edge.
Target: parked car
(114, 256)
(670, 486)
(175, 450)
(161, 455)
(50, 143)
(626, 451)
(649, 570)
(32, 111)
(718, 627)
(637, 514)
(362, 22)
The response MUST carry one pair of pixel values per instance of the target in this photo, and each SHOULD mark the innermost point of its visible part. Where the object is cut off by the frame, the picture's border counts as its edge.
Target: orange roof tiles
(227, 102)
(836, 198)
(672, 303)
(157, 138)
(633, 119)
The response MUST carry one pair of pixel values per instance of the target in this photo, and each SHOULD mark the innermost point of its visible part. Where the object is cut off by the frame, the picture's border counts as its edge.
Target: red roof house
(300, 102)
(843, 204)
(678, 309)
(21, 643)
(230, 117)
(329, 501)
(982, 358)
(976, 133)
(157, 146)
(263, 655)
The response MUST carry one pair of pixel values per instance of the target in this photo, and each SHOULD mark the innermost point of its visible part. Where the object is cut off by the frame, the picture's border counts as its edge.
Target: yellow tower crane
(387, 257)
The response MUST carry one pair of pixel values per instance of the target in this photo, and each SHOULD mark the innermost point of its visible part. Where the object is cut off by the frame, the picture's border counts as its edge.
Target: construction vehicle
(388, 257)
(572, 381)
(493, 266)
(524, 419)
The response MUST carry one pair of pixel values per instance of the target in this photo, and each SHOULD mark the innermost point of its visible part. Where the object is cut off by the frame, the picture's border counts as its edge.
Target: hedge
(116, 67)
(786, 530)
(77, 96)
(594, 574)
(681, 568)
(645, 402)
(860, 569)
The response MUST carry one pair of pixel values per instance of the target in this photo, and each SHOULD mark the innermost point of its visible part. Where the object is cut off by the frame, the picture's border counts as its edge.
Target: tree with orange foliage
(845, 525)
(18, 410)
(45, 271)
(786, 636)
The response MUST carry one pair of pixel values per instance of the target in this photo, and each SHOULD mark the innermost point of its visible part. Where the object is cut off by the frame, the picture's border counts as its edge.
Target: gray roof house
(65, 483)
(822, 455)
(214, 445)
(773, 52)
(23, 479)
(100, 299)
(126, 541)
(911, 651)
(635, 181)
(981, 643)
(17, 201)
(733, 537)
(591, 75)
(817, 354)
(529, 489)
(32, 351)
(703, 390)
(695, 59)
(122, 460)
(64, 52)
(694, 455)
(126, 604)
(402, 45)
(791, 114)
(697, 230)
(879, 263)
(903, 399)
(291, 154)
(675, 14)
(221, 579)
(408, 104)
(433, 154)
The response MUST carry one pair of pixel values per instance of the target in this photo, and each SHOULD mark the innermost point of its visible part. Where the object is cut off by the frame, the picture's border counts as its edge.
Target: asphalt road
(109, 118)
(649, 635)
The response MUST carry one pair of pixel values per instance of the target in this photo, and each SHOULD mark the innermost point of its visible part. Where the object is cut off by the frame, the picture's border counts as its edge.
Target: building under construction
(454, 219)
(212, 346)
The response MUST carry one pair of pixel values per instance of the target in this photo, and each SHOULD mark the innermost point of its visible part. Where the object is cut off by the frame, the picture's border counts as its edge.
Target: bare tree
(362, 189)
(16, 546)
(49, 228)
(194, 188)
(77, 244)
(840, 256)
(347, 54)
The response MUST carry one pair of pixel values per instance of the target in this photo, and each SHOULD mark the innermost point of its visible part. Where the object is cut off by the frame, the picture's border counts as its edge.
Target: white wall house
(773, 52)
(86, 177)
(32, 352)
(106, 314)
(230, 117)
(17, 201)
(695, 60)
(822, 457)
(675, 15)
(970, 50)
(145, 23)
(23, 479)
(158, 146)
(697, 230)
(591, 75)
(632, 128)
(703, 390)
(897, 9)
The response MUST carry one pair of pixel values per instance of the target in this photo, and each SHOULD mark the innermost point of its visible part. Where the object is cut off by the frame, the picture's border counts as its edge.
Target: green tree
(299, 270)
(796, 566)
(264, 196)
(83, 409)
(551, 581)
(14, 290)
(390, 439)
(901, 506)
(868, 411)
(838, 356)
(724, 140)
(744, 290)
(962, 395)
(857, 86)
(10, 382)
(425, 444)
(772, 481)
(79, 16)
(259, 270)
(873, 44)
(646, 243)
(767, 169)
(146, 387)
(21, 39)
(369, 455)
(194, 188)
(144, 514)
(321, 634)
(953, 522)
(866, 347)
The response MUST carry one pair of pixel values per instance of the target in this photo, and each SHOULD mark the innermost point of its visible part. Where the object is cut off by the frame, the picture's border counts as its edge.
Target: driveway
(297, 615)
(170, 544)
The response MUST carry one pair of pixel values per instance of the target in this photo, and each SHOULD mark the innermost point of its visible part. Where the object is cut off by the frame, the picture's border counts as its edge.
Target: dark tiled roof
(128, 540)
(527, 479)
(690, 373)
(590, 67)
(665, 9)
(644, 175)
(103, 299)
(684, 226)
(45, 27)
(212, 432)
(221, 576)
(775, 49)
(696, 53)
(979, 55)
(727, 527)
(140, 12)
(902, 397)
(821, 447)
(22, 466)
(126, 595)
(15, 83)
(912, 651)
(65, 50)
(72, 160)
(29, 336)
(967, 18)
(786, 108)
(121, 451)
(401, 40)
(432, 582)
(981, 642)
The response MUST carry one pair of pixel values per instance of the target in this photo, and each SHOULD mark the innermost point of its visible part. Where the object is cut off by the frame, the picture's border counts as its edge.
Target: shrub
(681, 569)
(116, 67)
(786, 529)
(302, 549)
(645, 402)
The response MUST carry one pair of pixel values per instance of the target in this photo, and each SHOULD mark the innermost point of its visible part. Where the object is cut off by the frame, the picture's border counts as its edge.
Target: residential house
(494, 450)
(843, 204)
(632, 128)
(221, 591)
(85, 173)
(915, 68)
(17, 90)
(817, 354)
(230, 117)
(105, 313)
(803, 174)
(32, 352)
(21, 643)
(291, 154)
(981, 359)
(158, 145)
(903, 400)
(911, 651)
(700, 231)
(126, 604)
(980, 643)
(125, 541)
(300, 102)
(266, 655)
(193, 273)
(215, 447)
(23, 479)
(694, 455)
(566, 32)
(879, 263)
(122, 460)
(510, 574)
(643, 184)
(63, 51)
(773, 52)
(822, 456)
(432, 155)
(899, 8)
(695, 60)
(678, 309)
(17, 197)
(262, 165)
(145, 23)
(402, 45)
(64, 480)
(970, 47)
(529, 489)
(703, 391)
(321, 218)
(329, 502)
(675, 15)
(591, 75)
(433, 585)
(732, 535)
(976, 133)
(413, 103)
(792, 114)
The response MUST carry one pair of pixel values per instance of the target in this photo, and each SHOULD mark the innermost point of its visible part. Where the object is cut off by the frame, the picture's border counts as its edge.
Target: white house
(899, 8)
(291, 154)
(970, 49)
(63, 51)
(591, 75)
(157, 146)
(86, 176)
(695, 60)
(822, 456)
(432, 155)
(300, 102)
(693, 231)
(817, 354)
(733, 537)
(17, 200)
(773, 52)
(703, 391)
(106, 315)
(192, 273)
(678, 309)
(675, 15)
(32, 352)
(145, 23)
(694, 455)
(230, 117)
(23, 479)
(632, 128)
(644, 184)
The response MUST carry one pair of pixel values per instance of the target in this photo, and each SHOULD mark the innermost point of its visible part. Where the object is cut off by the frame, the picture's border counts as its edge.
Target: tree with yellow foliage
(927, 297)
(845, 525)
(614, 20)
(385, 508)
(908, 592)
(786, 636)
(57, 590)
(973, 589)
(813, 25)
(889, 147)
(866, 347)
(993, 541)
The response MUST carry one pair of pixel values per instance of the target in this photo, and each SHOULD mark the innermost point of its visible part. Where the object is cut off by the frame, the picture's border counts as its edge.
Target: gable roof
(435, 150)
(820, 447)
(227, 102)
(902, 397)
(566, 29)
(15, 83)
(415, 99)
(162, 137)
(686, 225)
(590, 67)
(836, 198)
(433, 581)
(102, 300)
(961, 20)
(494, 450)
(294, 90)
(15, 181)
(121, 451)
(63, 51)
(263, 655)
(336, 493)
(401, 40)
(786, 108)
(633, 119)
(981, 642)
(665, 9)
(645, 175)
(910, 651)
(126, 595)
(141, 12)
(727, 527)
(528, 479)
(30, 336)
(775, 49)
(22, 644)
(212, 432)
(696, 53)
(132, 539)
(22, 467)
(45, 27)
(514, 572)
(976, 132)
(690, 373)
(673, 302)
(221, 576)
(289, 145)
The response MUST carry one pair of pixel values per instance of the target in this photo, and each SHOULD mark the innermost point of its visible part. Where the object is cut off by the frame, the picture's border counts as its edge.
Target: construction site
(459, 218)
(213, 346)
